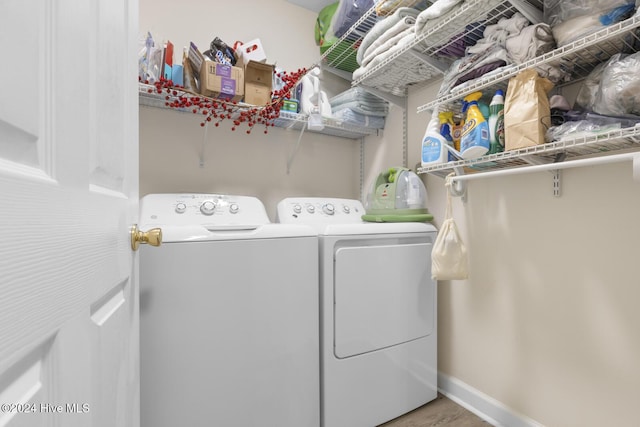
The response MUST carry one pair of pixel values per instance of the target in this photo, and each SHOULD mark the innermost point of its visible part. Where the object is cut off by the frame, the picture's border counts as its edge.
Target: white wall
(547, 324)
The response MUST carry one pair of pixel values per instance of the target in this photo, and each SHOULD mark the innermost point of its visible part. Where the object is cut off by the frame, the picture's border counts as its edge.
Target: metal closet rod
(635, 156)
(458, 186)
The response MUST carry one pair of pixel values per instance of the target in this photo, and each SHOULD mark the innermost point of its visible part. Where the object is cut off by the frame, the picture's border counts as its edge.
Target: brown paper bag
(527, 115)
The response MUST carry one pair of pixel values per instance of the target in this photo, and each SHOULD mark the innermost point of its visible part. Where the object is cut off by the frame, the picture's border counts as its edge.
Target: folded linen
(349, 116)
(362, 108)
(463, 66)
(532, 41)
(381, 27)
(357, 94)
(383, 44)
(377, 60)
(436, 10)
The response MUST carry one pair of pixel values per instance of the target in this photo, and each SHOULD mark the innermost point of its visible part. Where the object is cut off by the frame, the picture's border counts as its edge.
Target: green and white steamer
(398, 195)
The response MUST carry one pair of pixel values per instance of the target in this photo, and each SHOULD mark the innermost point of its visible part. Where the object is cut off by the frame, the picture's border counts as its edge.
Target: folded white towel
(381, 27)
(387, 41)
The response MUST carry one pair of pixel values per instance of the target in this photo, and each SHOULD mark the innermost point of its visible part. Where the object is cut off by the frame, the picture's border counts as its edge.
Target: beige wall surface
(548, 322)
(171, 143)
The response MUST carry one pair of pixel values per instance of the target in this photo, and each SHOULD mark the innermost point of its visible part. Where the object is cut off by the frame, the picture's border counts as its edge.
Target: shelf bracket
(295, 149)
(556, 182)
(438, 65)
(400, 101)
(458, 188)
(636, 168)
(204, 141)
(337, 72)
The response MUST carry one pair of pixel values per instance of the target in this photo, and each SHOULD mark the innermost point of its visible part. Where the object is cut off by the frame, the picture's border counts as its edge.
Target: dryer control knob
(181, 208)
(297, 208)
(311, 209)
(208, 207)
(234, 208)
(328, 209)
(346, 209)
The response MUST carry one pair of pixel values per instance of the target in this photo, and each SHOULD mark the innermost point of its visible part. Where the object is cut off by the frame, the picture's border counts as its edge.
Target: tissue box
(258, 83)
(290, 105)
(250, 51)
(221, 81)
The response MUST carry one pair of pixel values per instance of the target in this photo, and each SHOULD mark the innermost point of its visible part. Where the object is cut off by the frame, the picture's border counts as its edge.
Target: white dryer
(228, 315)
(378, 345)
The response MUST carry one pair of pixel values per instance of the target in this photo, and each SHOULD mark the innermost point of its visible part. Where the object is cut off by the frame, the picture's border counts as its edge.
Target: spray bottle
(475, 133)
(433, 143)
(446, 130)
(496, 123)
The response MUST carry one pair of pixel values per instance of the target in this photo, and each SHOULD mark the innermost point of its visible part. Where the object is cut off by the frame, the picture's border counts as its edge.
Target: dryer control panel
(319, 210)
(201, 209)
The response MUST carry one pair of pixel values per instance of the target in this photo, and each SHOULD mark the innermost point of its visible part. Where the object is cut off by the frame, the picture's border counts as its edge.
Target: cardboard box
(221, 81)
(258, 83)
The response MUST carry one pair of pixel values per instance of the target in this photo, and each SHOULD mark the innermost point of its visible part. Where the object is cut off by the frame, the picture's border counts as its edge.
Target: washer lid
(196, 233)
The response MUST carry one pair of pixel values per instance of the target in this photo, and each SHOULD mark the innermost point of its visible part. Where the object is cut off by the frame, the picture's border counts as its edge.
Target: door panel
(384, 296)
(21, 121)
(69, 187)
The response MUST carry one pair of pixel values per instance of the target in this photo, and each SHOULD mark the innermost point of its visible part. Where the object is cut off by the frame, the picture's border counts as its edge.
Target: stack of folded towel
(510, 41)
(360, 108)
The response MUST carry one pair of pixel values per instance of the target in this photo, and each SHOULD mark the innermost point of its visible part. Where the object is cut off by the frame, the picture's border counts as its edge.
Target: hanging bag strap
(448, 183)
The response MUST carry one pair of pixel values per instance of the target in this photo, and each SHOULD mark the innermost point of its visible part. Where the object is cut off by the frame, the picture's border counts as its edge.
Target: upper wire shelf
(578, 57)
(286, 120)
(424, 58)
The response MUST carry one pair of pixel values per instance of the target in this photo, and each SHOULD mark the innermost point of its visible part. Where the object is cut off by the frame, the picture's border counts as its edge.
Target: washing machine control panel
(201, 209)
(319, 210)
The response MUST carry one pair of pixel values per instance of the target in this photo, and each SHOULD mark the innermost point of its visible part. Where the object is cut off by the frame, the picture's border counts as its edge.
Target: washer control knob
(311, 209)
(297, 208)
(346, 209)
(234, 208)
(328, 209)
(208, 207)
(181, 207)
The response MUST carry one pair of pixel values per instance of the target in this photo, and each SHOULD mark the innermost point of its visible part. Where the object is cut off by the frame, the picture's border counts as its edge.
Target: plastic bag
(220, 52)
(619, 90)
(149, 60)
(449, 255)
(527, 114)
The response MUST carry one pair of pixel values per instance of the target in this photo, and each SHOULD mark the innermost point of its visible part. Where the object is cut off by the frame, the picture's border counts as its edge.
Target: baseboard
(486, 407)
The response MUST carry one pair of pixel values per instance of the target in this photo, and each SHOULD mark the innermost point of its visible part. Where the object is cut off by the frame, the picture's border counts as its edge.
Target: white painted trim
(489, 409)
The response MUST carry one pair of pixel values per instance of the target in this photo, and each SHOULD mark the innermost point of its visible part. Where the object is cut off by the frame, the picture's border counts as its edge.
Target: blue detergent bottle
(475, 132)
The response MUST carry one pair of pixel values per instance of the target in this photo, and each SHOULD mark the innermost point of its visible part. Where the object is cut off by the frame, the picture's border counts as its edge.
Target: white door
(68, 188)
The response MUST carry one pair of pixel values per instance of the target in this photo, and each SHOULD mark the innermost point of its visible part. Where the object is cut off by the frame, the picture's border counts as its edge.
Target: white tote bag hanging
(449, 255)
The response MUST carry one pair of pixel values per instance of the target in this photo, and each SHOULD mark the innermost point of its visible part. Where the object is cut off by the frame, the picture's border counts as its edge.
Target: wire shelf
(148, 96)
(333, 127)
(611, 142)
(341, 54)
(578, 58)
(424, 58)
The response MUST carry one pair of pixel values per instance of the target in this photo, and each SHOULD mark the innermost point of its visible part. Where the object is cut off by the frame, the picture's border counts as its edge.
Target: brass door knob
(152, 237)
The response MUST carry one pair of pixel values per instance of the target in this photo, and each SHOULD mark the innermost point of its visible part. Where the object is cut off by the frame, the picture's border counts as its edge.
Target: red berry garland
(224, 110)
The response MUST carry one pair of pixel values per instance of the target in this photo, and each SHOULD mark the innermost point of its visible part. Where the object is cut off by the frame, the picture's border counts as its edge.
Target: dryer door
(383, 295)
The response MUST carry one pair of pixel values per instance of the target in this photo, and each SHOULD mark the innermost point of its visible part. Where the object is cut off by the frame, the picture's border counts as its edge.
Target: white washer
(228, 315)
(378, 345)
